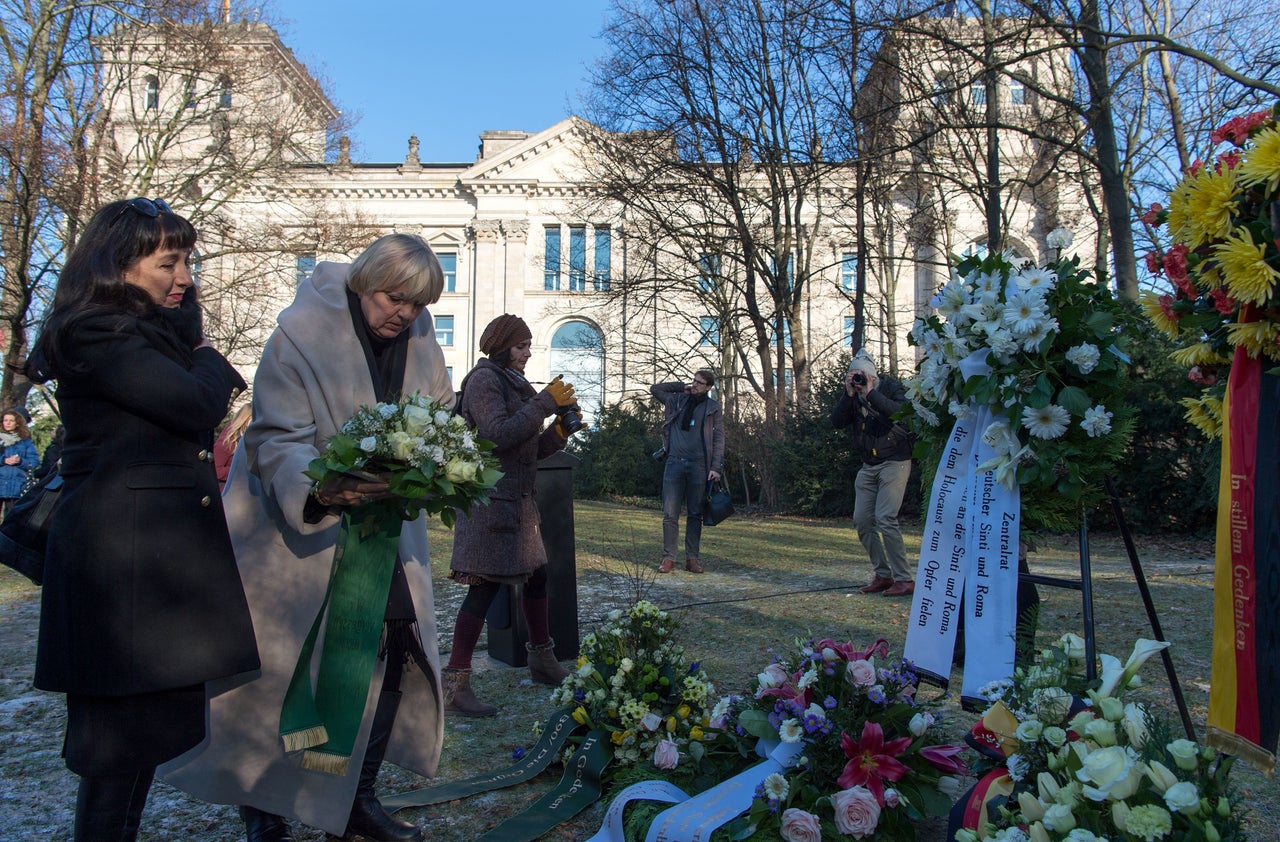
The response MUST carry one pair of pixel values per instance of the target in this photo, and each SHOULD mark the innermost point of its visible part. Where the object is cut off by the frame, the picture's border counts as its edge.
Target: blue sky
(445, 71)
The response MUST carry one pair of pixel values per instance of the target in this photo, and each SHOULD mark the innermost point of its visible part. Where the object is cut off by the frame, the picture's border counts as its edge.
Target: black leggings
(480, 595)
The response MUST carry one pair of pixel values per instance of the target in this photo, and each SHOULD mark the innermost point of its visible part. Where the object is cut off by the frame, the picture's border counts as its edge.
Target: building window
(189, 93)
(848, 271)
(603, 258)
(224, 93)
(709, 337)
(304, 265)
(577, 258)
(848, 331)
(786, 333)
(941, 91)
(153, 93)
(444, 331)
(197, 267)
(448, 370)
(978, 93)
(449, 263)
(551, 268)
(1017, 92)
(708, 272)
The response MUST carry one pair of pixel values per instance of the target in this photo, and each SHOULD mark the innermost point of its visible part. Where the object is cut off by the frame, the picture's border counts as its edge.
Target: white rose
(416, 419)
(460, 470)
(442, 418)
(1029, 731)
(1185, 754)
(369, 444)
(1183, 797)
(401, 445)
(1110, 772)
(920, 723)
(1060, 818)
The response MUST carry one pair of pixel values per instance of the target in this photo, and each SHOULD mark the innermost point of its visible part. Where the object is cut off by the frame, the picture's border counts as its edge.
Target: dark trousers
(684, 487)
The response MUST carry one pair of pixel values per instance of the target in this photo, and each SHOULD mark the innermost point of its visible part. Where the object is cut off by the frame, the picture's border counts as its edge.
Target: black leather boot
(260, 826)
(103, 805)
(368, 819)
(137, 802)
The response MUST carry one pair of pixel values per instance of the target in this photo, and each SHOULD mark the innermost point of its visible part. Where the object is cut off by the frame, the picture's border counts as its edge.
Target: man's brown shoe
(901, 589)
(692, 566)
(668, 565)
(879, 583)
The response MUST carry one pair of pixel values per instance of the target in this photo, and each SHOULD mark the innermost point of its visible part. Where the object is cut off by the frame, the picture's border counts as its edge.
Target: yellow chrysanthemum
(1255, 337)
(1261, 164)
(1200, 353)
(1205, 414)
(1205, 214)
(1244, 264)
(1155, 313)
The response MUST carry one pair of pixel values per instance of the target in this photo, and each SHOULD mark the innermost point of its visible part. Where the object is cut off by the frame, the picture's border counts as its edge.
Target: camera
(659, 454)
(570, 418)
(859, 378)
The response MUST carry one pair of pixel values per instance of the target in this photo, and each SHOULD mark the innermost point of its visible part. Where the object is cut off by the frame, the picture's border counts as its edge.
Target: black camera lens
(859, 378)
(570, 418)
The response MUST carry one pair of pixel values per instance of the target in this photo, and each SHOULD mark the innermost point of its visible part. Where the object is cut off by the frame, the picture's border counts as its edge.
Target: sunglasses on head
(149, 208)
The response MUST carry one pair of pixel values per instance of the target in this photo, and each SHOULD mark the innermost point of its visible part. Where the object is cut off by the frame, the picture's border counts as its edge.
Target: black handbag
(24, 534)
(719, 504)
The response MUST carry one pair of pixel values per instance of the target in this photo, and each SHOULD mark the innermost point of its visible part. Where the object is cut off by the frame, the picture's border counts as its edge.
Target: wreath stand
(1085, 586)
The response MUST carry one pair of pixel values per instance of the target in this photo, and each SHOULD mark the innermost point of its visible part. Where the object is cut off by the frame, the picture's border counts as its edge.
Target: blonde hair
(239, 422)
(401, 262)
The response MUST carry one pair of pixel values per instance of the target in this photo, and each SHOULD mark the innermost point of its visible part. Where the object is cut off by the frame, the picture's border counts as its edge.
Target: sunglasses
(149, 208)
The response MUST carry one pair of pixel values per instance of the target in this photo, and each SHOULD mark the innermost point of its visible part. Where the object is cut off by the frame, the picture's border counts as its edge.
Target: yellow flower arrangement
(1223, 261)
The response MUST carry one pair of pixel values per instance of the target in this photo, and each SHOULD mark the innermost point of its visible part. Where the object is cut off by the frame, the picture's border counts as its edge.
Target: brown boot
(543, 665)
(458, 697)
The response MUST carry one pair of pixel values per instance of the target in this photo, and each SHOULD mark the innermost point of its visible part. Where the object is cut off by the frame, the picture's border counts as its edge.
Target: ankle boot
(102, 806)
(543, 665)
(264, 827)
(368, 819)
(458, 697)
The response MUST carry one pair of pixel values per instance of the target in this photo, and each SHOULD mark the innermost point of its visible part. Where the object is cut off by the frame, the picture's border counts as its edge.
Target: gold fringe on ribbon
(1229, 743)
(320, 761)
(316, 735)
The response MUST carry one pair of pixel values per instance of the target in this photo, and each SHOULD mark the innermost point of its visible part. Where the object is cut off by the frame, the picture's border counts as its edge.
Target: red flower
(1150, 216)
(1225, 304)
(1166, 307)
(943, 759)
(1153, 262)
(872, 761)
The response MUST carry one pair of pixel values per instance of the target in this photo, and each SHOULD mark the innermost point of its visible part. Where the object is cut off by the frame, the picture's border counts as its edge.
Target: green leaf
(1074, 400)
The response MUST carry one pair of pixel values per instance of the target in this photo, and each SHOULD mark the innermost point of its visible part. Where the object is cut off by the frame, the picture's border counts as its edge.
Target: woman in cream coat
(344, 329)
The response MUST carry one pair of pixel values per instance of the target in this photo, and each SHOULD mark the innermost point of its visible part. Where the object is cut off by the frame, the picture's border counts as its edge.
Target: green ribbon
(578, 789)
(559, 727)
(324, 723)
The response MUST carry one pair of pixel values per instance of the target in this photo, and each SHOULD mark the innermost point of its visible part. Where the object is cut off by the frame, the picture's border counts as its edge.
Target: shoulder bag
(24, 534)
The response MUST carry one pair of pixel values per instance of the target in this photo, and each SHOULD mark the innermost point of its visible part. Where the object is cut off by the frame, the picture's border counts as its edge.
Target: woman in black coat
(142, 601)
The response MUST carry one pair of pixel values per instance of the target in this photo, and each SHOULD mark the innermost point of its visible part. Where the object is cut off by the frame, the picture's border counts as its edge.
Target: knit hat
(862, 362)
(506, 331)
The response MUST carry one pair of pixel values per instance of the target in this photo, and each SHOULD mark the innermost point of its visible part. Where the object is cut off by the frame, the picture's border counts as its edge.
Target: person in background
(142, 604)
(356, 334)
(225, 445)
(867, 407)
(52, 453)
(693, 448)
(502, 543)
(18, 458)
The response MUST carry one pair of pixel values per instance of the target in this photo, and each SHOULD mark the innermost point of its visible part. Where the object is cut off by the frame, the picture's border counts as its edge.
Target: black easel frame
(1085, 586)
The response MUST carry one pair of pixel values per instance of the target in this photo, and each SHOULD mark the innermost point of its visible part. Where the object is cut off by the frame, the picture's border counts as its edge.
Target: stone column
(489, 293)
(517, 234)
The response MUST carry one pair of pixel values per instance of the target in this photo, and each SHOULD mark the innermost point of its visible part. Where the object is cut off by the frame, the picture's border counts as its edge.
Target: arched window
(153, 92)
(577, 352)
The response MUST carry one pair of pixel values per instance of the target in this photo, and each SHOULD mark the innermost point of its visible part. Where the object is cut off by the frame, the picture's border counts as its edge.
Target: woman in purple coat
(501, 543)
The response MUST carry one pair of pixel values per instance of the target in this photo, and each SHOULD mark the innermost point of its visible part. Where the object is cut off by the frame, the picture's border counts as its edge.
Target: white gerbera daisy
(1048, 422)
(791, 731)
(775, 787)
(1097, 421)
(1032, 341)
(1037, 278)
(1024, 311)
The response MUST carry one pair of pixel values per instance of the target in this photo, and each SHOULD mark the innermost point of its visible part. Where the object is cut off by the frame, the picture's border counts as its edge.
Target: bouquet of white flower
(1044, 349)
(429, 457)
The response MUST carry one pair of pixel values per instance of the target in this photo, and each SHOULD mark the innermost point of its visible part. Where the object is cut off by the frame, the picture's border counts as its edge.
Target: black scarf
(386, 358)
(694, 401)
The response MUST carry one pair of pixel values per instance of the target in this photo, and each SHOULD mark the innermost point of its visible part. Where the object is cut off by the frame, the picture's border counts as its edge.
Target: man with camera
(867, 405)
(693, 448)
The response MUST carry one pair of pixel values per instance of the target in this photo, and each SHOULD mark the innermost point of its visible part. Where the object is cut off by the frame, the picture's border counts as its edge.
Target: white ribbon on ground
(611, 830)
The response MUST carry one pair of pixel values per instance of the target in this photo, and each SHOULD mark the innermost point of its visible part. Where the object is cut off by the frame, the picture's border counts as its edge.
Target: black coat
(141, 590)
(875, 434)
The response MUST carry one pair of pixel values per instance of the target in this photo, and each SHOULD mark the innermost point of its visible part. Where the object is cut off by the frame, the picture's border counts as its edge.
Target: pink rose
(666, 755)
(857, 812)
(799, 826)
(861, 673)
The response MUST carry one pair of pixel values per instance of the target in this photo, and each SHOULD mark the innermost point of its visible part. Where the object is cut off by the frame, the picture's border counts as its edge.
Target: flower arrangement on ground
(1223, 261)
(1045, 349)
(872, 758)
(632, 681)
(1066, 758)
(428, 456)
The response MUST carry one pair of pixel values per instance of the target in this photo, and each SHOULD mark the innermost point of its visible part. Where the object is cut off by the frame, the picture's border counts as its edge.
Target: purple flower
(876, 695)
(830, 703)
(694, 667)
(579, 695)
(517, 753)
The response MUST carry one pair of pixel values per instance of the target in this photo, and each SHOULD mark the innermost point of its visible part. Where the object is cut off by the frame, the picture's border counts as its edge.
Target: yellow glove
(562, 432)
(561, 391)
